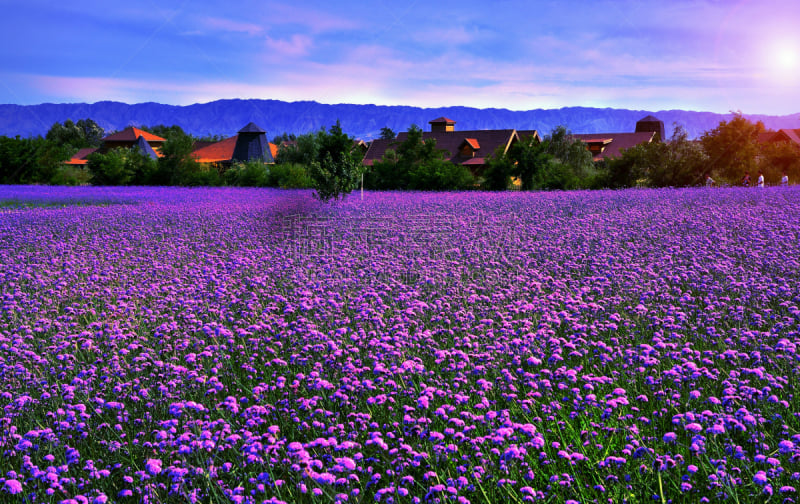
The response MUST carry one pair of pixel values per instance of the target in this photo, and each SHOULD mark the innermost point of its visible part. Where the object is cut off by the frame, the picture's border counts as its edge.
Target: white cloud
(295, 46)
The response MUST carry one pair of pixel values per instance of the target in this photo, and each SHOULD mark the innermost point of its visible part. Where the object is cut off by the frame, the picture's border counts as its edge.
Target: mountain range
(226, 117)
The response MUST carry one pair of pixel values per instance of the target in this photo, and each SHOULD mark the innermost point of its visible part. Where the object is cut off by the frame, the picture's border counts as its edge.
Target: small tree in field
(337, 169)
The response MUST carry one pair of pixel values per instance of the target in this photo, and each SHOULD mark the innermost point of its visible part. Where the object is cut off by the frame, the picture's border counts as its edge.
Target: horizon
(643, 110)
(693, 55)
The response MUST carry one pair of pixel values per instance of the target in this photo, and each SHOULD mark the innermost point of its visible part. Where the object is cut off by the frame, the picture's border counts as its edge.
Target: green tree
(84, 133)
(732, 148)
(529, 160)
(778, 157)
(92, 132)
(284, 138)
(572, 166)
(387, 133)
(679, 162)
(176, 166)
(417, 164)
(18, 159)
(165, 131)
(111, 168)
(337, 169)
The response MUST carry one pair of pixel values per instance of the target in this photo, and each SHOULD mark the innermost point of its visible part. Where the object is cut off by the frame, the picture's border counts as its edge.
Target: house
(249, 144)
(782, 135)
(129, 137)
(472, 148)
(147, 143)
(610, 145)
(468, 148)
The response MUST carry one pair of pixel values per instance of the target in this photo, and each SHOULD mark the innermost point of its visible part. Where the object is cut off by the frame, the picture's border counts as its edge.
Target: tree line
(328, 161)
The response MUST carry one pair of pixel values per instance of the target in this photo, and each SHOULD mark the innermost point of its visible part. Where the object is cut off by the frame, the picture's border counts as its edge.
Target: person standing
(746, 179)
(709, 181)
(785, 179)
(760, 182)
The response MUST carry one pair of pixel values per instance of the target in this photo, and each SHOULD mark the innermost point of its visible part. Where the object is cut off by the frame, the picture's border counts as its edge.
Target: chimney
(442, 125)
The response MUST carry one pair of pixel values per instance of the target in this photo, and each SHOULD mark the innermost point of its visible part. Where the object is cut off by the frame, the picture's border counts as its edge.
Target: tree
(681, 162)
(387, 133)
(176, 166)
(418, 165)
(84, 133)
(284, 138)
(572, 165)
(165, 131)
(732, 147)
(337, 169)
(529, 159)
(92, 132)
(778, 157)
(678, 163)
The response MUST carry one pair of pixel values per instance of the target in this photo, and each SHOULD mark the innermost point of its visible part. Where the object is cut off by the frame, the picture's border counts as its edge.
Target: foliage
(85, 133)
(121, 167)
(258, 174)
(284, 138)
(304, 150)
(337, 169)
(529, 159)
(289, 176)
(387, 133)
(67, 175)
(497, 176)
(558, 162)
(30, 160)
(247, 174)
(678, 163)
(778, 157)
(165, 131)
(571, 166)
(418, 165)
(176, 166)
(732, 148)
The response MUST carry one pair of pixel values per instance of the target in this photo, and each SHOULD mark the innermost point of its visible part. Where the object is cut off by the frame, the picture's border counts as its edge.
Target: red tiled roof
(222, 151)
(619, 141)
(216, 152)
(131, 134)
(442, 120)
(472, 142)
(80, 157)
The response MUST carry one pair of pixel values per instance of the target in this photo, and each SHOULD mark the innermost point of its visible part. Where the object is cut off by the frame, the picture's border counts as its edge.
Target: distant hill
(226, 117)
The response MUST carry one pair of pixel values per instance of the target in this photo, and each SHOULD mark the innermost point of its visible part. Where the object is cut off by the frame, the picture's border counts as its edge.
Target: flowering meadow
(251, 346)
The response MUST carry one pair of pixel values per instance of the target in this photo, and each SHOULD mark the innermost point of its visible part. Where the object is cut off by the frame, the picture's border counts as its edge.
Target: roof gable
(132, 134)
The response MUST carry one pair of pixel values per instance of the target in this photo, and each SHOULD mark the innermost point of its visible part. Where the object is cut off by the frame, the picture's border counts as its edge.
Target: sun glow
(782, 62)
(786, 58)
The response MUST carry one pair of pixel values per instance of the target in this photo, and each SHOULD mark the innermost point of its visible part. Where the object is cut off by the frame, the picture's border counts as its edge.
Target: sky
(704, 55)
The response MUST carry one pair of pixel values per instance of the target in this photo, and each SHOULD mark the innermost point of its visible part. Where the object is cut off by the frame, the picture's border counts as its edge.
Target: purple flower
(693, 427)
(12, 486)
(153, 466)
(670, 437)
(760, 478)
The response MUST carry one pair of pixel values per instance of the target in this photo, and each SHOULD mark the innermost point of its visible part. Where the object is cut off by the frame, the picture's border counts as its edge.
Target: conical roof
(145, 148)
(251, 128)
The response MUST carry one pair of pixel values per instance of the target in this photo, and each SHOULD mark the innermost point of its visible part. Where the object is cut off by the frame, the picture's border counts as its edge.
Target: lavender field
(249, 346)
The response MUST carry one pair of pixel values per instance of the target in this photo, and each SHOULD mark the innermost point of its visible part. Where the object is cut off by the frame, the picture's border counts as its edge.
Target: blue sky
(709, 55)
